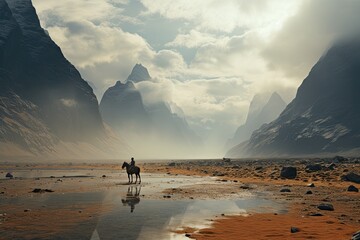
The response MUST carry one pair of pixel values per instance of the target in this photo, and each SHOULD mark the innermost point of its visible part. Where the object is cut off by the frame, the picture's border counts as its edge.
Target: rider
(132, 163)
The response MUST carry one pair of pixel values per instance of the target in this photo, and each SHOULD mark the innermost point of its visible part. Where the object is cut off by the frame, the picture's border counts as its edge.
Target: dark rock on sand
(9, 175)
(351, 177)
(309, 192)
(326, 207)
(172, 164)
(313, 168)
(294, 230)
(356, 236)
(285, 190)
(288, 172)
(352, 188)
(315, 215)
(311, 185)
(39, 190)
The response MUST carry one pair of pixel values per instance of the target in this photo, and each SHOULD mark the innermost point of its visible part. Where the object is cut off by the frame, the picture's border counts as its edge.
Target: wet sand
(207, 181)
(264, 176)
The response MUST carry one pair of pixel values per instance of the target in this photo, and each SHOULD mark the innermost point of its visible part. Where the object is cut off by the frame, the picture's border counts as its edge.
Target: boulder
(351, 177)
(309, 192)
(313, 167)
(326, 207)
(288, 172)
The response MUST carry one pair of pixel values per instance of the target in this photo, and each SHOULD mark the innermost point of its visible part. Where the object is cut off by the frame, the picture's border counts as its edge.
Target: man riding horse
(132, 169)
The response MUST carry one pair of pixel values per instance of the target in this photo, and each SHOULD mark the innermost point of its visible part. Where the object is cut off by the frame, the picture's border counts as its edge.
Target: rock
(285, 190)
(311, 185)
(356, 236)
(172, 164)
(331, 166)
(288, 172)
(39, 190)
(258, 168)
(294, 230)
(187, 235)
(309, 192)
(245, 186)
(352, 188)
(104, 176)
(9, 175)
(315, 215)
(326, 207)
(351, 177)
(27, 210)
(313, 168)
(339, 159)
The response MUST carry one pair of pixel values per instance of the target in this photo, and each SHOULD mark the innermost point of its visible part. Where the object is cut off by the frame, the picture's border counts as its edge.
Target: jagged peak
(139, 73)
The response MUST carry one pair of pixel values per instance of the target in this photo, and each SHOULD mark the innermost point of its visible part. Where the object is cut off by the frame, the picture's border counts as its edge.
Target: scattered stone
(9, 175)
(339, 159)
(351, 177)
(285, 190)
(187, 235)
(326, 207)
(356, 236)
(245, 186)
(27, 210)
(172, 164)
(218, 174)
(309, 192)
(167, 196)
(258, 168)
(294, 230)
(288, 172)
(313, 168)
(352, 188)
(316, 214)
(104, 176)
(311, 185)
(39, 190)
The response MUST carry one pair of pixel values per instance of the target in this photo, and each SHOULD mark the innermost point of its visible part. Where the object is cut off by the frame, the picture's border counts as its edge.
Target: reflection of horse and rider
(132, 199)
(132, 169)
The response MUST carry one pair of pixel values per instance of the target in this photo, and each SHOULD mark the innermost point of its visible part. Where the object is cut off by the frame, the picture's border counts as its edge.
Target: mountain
(122, 108)
(157, 129)
(263, 108)
(138, 74)
(324, 117)
(46, 104)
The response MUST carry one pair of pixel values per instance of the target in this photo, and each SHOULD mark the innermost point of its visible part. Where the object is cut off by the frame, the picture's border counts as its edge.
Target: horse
(132, 170)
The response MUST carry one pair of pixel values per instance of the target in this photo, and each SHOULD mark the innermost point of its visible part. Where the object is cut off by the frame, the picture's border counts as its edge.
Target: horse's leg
(139, 178)
(136, 178)
(129, 177)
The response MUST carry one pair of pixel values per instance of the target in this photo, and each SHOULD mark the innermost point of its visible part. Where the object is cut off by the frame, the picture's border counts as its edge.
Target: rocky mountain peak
(138, 74)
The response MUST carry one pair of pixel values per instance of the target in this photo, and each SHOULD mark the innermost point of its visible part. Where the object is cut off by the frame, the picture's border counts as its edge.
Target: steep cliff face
(324, 117)
(263, 108)
(40, 73)
(123, 109)
(43, 94)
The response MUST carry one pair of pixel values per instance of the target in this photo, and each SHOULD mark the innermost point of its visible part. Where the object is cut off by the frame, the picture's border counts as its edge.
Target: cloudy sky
(208, 56)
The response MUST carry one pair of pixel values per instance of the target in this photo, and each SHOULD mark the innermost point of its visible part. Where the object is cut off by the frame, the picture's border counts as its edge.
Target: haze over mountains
(263, 108)
(46, 108)
(323, 118)
(153, 130)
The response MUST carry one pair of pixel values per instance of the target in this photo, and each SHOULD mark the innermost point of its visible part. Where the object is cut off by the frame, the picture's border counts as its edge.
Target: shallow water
(131, 214)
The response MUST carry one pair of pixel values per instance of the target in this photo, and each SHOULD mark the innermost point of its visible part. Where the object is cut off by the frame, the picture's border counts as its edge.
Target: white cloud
(223, 16)
(192, 39)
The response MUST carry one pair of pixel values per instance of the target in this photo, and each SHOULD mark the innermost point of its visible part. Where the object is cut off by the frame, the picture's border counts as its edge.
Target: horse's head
(124, 165)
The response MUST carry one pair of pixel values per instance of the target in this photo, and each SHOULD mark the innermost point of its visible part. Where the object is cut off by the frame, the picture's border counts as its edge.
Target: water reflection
(132, 198)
